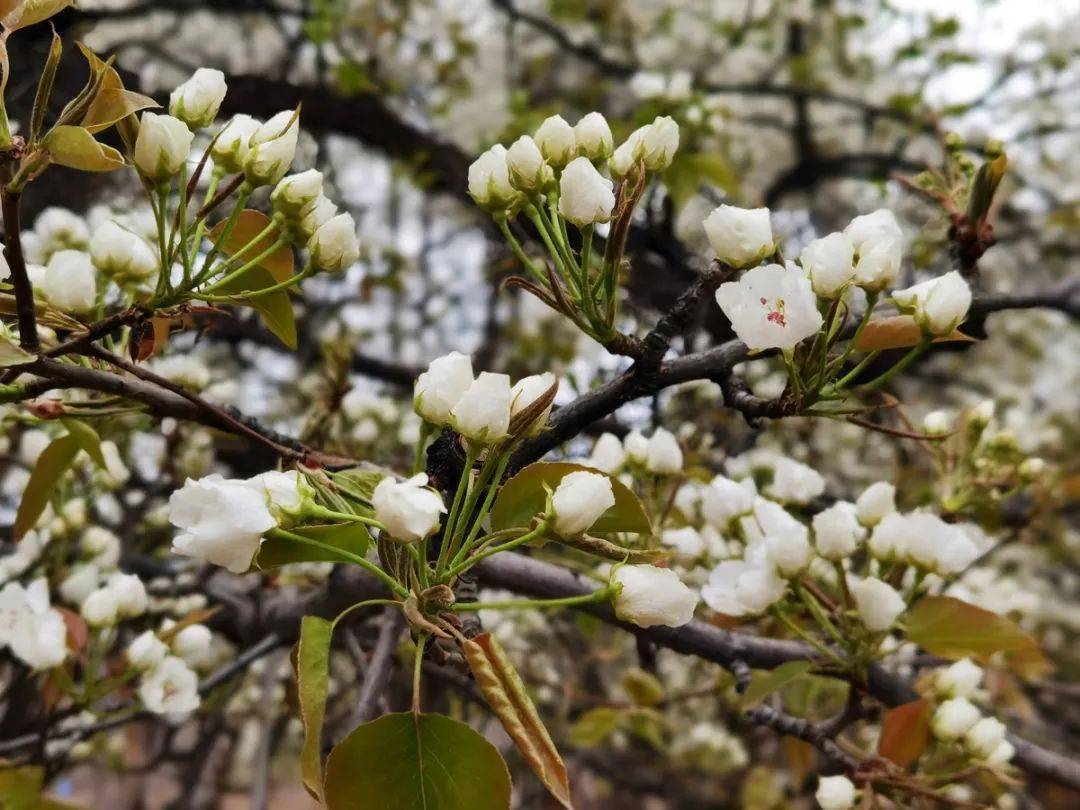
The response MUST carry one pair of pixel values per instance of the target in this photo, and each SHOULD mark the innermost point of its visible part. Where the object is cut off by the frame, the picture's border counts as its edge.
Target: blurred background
(811, 107)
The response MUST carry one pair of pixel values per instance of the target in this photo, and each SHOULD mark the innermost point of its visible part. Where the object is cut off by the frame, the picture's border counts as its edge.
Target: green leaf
(523, 497)
(505, 693)
(20, 788)
(50, 467)
(764, 683)
(350, 537)
(112, 104)
(312, 671)
(275, 309)
(358, 483)
(87, 439)
(643, 688)
(954, 629)
(11, 353)
(905, 732)
(76, 148)
(413, 761)
(595, 726)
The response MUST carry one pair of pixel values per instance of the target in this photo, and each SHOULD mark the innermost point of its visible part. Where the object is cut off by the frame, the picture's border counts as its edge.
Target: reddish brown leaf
(898, 332)
(905, 732)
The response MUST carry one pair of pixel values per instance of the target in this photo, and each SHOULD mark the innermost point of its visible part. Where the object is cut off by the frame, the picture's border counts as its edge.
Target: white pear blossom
(120, 253)
(636, 446)
(723, 500)
(648, 596)
(556, 140)
(593, 137)
(315, 214)
(829, 262)
(686, 541)
(334, 246)
(878, 603)
(231, 147)
(130, 594)
(196, 102)
(579, 501)
(442, 386)
(743, 587)
(171, 687)
(837, 532)
(869, 228)
(938, 305)
(1002, 754)
(953, 718)
(410, 510)
(875, 502)
(659, 143)
(271, 149)
(70, 281)
(162, 146)
(960, 679)
(528, 390)
(937, 546)
(483, 412)
(489, 181)
(878, 263)
(983, 738)
(223, 521)
(795, 482)
(741, 237)
(146, 651)
(80, 583)
(608, 454)
(628, 153)
(101, 608)
(528, 171)
(663, 455)
(585, 196)
(284, 491)
(835, 793)
(770, 307)
(30, 626)
(294, 193)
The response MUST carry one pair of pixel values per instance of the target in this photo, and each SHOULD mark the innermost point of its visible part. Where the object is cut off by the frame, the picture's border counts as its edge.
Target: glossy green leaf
(954, 629)
(275, 309)
(87, 438)
(312, 671)
(12, 354)
(595, 726)
(50, 467)
(359, 483)
(76, 148)
(523, 497)
(277, 551)
(412, 761)
(764, 683)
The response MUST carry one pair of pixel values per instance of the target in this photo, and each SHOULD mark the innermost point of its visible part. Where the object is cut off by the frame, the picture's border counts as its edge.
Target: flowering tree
(494, 582)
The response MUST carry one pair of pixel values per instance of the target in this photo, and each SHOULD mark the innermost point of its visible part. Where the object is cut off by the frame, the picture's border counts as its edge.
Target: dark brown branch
(20, 280)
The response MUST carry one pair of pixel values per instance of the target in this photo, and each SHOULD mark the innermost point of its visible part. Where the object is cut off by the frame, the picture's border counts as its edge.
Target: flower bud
(121, 254)
(556, 140)
(585, 196)
(829, 264)
(878, 604)
(983, 738)
(528, 171)
(648, 596)
(194, 645)
(1002, 754)
(937, 423)
(315, 214)
(489, 181)
(230, 148)
(100, 608)
(483, 412)
(334, 245)
(663, 455)
(296, 192)
(593, 136)
(409, 509)
(869, 228)
(162, 146)
(837, 532)
(659, 143)
(70, 281)
(953, 718)
(876, 501)
(442, 386)
(741, 237)
(981, 414)
(628, 153)
(196, 102)
(271, 149)
(608, 454)
(938, 305)
(527, 391)
(146, 651)
(637, 447)
(723, 500)
(960, 679)
(835, 793)
(878, 264)
(579, 501)
(130, 594)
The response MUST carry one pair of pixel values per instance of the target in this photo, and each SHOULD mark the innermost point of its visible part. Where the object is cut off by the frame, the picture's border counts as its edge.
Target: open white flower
(938, 305)
(878, 603)
(741, 237)
(223, 521)
(648, 596)
(829, 262)
(585, 196)
(483, 412)
(410, 510)
(579, 501)
(743, 587)
(171, 687)
(770, 307)
(70, 281)
(35, 631)
(440, 388)
(162, 146)
(196, 102)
